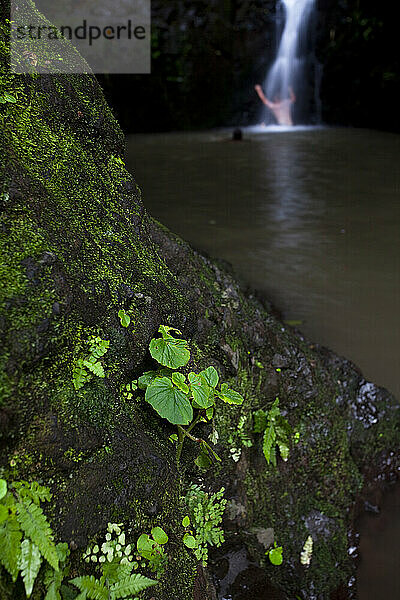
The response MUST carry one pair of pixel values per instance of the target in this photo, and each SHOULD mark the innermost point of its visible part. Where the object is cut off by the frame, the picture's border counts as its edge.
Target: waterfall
(288, 69)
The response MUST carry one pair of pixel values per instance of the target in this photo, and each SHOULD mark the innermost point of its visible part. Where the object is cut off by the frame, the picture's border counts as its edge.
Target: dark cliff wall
(207, 56)
(358, 48)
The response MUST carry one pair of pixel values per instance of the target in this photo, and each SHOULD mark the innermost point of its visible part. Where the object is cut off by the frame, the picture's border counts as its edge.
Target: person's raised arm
(263, 98)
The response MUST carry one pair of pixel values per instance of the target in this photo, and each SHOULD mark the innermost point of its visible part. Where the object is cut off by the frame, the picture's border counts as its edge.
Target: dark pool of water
(311, 217)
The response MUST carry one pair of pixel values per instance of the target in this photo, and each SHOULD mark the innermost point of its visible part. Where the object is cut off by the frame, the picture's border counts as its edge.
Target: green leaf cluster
(206, 513)
(151, 548)
(115, 560)
(26, 537)
(276, 432)
(128, 390)
(174, 395)
(183, 399)
(90, 364)
(53, 579)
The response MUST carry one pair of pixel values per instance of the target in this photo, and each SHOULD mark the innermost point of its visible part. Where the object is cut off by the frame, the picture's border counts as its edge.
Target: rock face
(77, 246)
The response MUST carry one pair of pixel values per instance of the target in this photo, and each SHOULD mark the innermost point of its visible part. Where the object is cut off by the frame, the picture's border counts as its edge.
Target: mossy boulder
(77, 246)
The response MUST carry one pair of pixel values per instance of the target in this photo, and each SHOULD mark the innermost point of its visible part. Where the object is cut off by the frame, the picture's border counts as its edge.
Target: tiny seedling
(276, 432)
(275, 554)
(124, 318)
(151, 548)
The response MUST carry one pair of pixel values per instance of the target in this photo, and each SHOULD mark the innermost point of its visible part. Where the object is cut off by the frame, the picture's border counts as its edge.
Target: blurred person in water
(281, 109)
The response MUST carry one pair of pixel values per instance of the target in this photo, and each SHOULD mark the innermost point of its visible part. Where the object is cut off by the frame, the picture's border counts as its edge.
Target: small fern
(53, 579)
(206, 515)
(10, 546)
(85, 367)
(37, 493)
(25, 534)
(114, 560)
(91, 588)
(36, 527)
(276, 430)
(130, 586)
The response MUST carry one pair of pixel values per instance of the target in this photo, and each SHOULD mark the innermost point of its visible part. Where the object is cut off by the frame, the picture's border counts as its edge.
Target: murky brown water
(310, 217)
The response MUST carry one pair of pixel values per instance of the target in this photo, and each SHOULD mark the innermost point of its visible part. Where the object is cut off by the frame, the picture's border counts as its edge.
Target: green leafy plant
(124, 318)
(275, 554)
(151, 547)
(128, 390)
(114, 558)
(53, 579)
(90, 364)
(183, 399)
(205, 513)
(26, 537)
(276, 430)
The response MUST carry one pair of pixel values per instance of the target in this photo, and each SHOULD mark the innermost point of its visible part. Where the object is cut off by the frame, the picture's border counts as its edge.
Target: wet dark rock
(319, 525)
(372, 508)
(364, 409)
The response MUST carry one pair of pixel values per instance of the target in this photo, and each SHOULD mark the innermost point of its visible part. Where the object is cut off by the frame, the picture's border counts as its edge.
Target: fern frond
(79, 375)
(94, 366)
(115, 572)
(53, 592)
(10, 546)
(282, 427)
(260, 421)
(53, 580)
(37, 493)
(36, 527)
(274, 411)
(269, 441)
(273, 455)
(29, 564)
(130, 586)
(283, 449)
(91, 586)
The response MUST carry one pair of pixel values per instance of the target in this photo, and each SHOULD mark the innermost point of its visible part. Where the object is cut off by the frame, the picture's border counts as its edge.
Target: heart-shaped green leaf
(170, 352)
(203, 461)
(275, 555)
(186, 521)
(203, 394)
(189, 541)
(170, 402)
(210, 375)
(145, 546)
(146, 379)
(159, 535)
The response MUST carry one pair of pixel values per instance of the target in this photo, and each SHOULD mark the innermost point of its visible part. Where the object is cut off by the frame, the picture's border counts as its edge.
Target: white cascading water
(287, 70)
